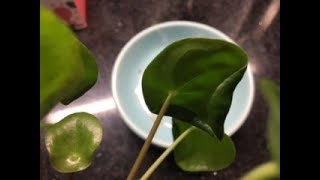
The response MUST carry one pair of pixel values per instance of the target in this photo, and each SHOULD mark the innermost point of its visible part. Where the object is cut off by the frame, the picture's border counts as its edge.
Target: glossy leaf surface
(71, 143)
(202, 75)
(199, 151)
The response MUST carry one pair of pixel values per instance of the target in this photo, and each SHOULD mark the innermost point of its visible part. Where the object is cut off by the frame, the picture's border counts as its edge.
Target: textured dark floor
(255, 25)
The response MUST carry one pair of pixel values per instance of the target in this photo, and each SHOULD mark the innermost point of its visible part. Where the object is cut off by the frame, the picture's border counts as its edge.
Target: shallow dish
(135, 57)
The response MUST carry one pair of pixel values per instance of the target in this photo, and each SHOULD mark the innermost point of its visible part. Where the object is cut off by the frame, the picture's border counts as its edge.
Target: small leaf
(271, 92)
(71, 143)
(202, 75)
(199, 151)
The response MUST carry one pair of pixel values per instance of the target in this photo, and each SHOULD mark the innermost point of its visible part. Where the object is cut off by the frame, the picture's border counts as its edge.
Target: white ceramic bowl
(139, 52)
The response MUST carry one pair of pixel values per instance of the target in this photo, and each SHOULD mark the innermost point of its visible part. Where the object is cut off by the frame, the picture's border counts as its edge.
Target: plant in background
(193, 80)
(270, 170)
(67, 70)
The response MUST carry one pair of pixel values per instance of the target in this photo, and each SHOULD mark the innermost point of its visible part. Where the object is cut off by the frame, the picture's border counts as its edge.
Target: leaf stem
(147, 143)
(155, 165)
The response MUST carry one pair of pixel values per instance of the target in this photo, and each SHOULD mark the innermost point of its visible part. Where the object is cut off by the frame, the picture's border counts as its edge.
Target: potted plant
(191, 80)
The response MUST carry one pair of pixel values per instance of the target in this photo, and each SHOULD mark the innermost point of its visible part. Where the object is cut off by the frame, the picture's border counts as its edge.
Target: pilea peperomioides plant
(67, 70)
(193, 80)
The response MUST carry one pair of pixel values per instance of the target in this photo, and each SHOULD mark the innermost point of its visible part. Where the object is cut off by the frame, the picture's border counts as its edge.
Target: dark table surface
(253, 24)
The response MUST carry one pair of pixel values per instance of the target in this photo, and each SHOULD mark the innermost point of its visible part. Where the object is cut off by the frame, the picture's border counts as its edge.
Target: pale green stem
(155, 165)
(147, 143)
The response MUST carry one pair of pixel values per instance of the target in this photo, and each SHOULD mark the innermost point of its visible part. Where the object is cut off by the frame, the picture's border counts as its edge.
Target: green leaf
(201, 152)
(67, 68)
(202, 75)
(271, 92)
(89, 77)
(71, 143)
(266, 171)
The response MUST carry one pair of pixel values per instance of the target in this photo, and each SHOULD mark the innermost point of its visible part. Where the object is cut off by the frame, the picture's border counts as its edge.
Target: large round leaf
(201, 74)
(199, 151)
(67, 68)
(71, 143)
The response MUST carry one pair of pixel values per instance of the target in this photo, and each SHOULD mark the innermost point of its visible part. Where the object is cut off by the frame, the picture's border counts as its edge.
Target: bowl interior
(139, 52)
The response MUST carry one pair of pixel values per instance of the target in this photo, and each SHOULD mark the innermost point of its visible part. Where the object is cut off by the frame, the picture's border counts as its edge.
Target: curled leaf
(201, 74)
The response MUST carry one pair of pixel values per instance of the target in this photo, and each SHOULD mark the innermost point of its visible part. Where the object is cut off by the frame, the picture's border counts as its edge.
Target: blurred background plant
(271, 169)
(67, 70)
